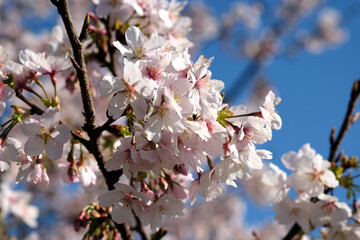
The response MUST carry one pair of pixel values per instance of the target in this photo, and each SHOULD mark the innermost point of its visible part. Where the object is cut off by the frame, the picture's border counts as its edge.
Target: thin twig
(294, 230)
(140, 229)
(34, 109)
(104, 126)
(111, 65)
(355, 93)
(85, 28)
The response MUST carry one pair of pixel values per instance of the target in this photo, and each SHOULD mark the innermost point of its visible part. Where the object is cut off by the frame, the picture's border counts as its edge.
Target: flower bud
(353, 162)
(180, 168)
(163, 184)
(81, 221)
(72, 172)
(354, 117)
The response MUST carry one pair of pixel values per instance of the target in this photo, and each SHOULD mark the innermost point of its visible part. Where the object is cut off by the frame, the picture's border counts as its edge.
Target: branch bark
(90, 125)
(80, 66)
(355, 93)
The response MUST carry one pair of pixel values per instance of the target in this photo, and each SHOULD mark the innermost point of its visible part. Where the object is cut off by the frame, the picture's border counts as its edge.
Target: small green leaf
(223, 114)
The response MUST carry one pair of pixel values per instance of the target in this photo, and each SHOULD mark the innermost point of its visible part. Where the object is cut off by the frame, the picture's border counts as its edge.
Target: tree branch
(34, 109)
(111, 48)
(79, 64)
(335, 144)
(140, 229)
(90, 126)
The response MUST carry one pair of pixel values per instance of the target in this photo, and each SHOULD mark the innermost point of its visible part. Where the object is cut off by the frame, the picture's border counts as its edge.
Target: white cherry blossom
(133, 89)
(86, 175)
(276, 179)
(344, 231)
(45, 134)
(289, 212)
(138, 45)
(268, 111)
(124, 200)
(31, 171)
(44, 65)
(312, 172)
(17, 203)
(329, 210)
(9, 151)
(166, 205)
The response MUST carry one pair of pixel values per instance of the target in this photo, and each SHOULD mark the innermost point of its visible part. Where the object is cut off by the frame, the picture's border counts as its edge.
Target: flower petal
(34, 146)
(53, 149)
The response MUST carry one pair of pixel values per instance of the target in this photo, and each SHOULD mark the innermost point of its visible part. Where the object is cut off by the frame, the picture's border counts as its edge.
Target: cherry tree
(123, 109)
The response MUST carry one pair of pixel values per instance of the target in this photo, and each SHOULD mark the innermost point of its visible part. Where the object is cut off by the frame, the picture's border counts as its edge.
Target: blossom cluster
(180, 124)
(162, 17)
(311, 207)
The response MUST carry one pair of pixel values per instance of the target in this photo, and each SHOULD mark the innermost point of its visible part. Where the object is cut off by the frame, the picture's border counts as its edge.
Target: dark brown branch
(111, 65)
(335, 143)
(159, 234)
(78, 137)
(104, 126)
(34, 109)
(294, 230)
(90, 126)
(125, 231)
(140, 229)
(80, 66)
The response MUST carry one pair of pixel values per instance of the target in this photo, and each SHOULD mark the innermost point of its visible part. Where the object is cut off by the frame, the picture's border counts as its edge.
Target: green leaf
(223, 114)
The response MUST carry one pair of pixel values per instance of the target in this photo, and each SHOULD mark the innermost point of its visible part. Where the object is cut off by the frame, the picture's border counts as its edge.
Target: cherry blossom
(160, 132)
(6, 93)
(344, 231)
(330, 210)
(8, 151)
(124, 200)
(44, 65)
(86, 175)
(289, 212)
(45, 134)
(138, 45)
(268, 111)
(17, 203)
(122, 8)
(31, 171)
(276, 179)
(166, 205)
(132, 89)
(312, 172)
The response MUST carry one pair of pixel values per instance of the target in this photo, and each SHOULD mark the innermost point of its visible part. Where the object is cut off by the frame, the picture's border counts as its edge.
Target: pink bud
(72, 173)
(180, 168)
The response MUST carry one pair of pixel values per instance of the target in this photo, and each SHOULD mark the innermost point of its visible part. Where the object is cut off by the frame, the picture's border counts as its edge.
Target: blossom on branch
(45, 134)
